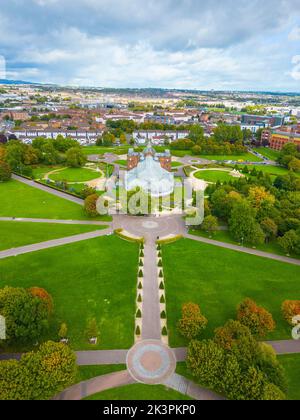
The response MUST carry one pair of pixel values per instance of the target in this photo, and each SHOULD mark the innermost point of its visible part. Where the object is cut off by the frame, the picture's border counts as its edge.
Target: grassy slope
(20, 200)
(138, 392)
(86, 280)
(75, 175)
(214, 176)
(268, 153)
(291, 363)
(219, 279)
(15, 234)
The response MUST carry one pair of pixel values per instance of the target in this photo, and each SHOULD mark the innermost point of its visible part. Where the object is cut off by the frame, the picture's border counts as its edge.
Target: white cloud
(294, 35)
(295, 73)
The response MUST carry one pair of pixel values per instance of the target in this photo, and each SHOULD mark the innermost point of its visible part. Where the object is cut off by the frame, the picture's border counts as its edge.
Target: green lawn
(224, 236)
(214, 176)
(291, 363)
(121, 162)
(249, 157)
(86, 280)
(270, 169)
(267, 152)
(15, 234)
(219, 279)
(89, 372)
(137, 392)
(176, 164)
(40, 171)
(20, 200)
(99, 150)
(75, 175)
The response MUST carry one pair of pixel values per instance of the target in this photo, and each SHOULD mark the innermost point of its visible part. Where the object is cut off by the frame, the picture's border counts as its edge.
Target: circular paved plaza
(151, 362)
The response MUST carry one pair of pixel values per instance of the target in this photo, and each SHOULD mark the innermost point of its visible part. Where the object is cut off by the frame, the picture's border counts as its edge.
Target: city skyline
(173, 44)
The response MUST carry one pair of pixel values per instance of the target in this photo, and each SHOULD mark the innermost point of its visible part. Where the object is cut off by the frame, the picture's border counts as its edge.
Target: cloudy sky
(194, 44)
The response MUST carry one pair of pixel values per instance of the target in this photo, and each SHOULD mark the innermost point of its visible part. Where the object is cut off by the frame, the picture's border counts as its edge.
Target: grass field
(291, 363)
(267, 152)
(20, 200)
(86, 280)
(137, 392)
(121, 162)
(224, 236)
(89, 372)
(219, 279)
(40, 171)
(245, 157)
(99, 150)
(15, 234)
(176, 164)
(214, 176)
(75, 175)
(269, 169)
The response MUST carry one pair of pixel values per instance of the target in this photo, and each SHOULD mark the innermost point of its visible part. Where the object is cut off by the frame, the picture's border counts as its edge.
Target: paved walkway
(285, 346)
(53, 243)
(93, 386)
(242, 249)
(186, 387)
(101, 357)
(48, 190)
(54, 221)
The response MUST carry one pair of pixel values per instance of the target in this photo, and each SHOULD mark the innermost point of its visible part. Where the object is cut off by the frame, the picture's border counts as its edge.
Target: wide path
(53, 243)
(95, 385)
(285, 346)
(242, 249)
(54, 221)
(186, 387)
(52, 191)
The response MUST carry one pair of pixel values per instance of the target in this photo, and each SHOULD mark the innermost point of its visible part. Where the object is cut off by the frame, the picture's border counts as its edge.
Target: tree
(107, 139)
(228, 335)
(45, 297)
(5, 172)
(259, 321)
(63, 144)
(90, 205)
(289, 241)
(269, 228)
(192, 322)
(290, 309)
(258, 197)
(92, 329)
(50, 155)
(253, 384)
(210, 224)
(26, 315)
(75, 158)
(272, 393)
(86, 191)
(294, 164)
(63, 331)
(243, 226)
(123, 139)
(196, 133)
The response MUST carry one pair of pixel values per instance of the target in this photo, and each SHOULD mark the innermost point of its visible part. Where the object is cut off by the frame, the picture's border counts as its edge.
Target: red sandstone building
(278, 138)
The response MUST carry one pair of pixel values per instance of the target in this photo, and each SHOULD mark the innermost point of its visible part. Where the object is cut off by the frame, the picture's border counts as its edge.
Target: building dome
(151, 177)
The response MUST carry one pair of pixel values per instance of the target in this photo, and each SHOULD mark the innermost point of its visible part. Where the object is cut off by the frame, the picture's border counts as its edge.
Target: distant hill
(15, 82)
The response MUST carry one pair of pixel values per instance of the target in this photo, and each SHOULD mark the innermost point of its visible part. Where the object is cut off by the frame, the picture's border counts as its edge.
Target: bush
(160, 263)
(138, 331)
(192, 321)
(158, 247)
(142, 246)
(162, 299)
(161, 274)
(5, 172)
(141, 264)
(257, 319)
(163, 315)
(90, 205)
(162, 286)
(139, 299)
(164, 332)
(290, 309)
(138, 314)
(39, 375)
(63, 331)
(140, 286)
(26, 315)
(44, 296)
(142, 254)
(141, 274)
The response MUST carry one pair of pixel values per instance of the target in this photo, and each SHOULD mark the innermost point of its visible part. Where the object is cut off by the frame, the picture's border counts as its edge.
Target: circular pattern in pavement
(150, 225)
(151, 362)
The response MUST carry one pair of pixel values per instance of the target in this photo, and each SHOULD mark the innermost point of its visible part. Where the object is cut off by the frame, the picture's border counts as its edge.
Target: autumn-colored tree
(258, 197)
(90, 205)
(230, 333)
(257, 319)
(290, 309)
(44, 296)
(192, 322)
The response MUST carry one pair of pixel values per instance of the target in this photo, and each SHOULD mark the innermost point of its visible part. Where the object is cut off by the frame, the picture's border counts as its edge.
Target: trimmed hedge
(138, 314)
(164, 331)
(169, 240)
(139, 299)
(163, 315)
(162, 299)
(140, 286)
(162, 286)
(119, 232)
(138, 331)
